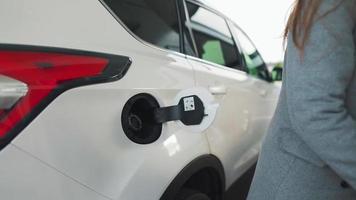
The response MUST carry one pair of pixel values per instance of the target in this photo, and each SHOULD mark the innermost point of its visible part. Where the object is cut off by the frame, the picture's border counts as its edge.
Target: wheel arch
(208, 165)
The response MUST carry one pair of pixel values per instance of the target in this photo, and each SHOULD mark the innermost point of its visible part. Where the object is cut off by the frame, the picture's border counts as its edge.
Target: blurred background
(263, 21)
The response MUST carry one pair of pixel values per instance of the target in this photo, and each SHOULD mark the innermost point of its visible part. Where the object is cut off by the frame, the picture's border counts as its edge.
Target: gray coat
(309, 152)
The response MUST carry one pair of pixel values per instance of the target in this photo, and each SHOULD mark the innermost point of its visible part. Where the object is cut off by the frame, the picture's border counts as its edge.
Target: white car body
(76, 149)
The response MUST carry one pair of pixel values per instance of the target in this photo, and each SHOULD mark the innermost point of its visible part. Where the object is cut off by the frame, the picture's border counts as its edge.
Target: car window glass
(253, 60)
(155, 21)
(212, 37)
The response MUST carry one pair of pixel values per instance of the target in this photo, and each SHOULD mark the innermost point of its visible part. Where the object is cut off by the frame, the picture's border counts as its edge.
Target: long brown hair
(301, 20)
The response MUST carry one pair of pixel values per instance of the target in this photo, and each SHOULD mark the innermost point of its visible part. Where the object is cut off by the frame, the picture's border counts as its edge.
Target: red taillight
(30, 78)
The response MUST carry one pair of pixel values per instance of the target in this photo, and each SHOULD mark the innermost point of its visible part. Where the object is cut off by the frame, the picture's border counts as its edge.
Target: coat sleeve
(317, 86)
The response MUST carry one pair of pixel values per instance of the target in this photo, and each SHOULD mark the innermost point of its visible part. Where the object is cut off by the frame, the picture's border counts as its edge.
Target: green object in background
(252, 70)
(249, 61)
(277, 72)
(213, 52)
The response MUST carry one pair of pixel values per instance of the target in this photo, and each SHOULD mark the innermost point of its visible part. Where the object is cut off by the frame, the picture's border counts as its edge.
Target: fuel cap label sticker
(189, 104)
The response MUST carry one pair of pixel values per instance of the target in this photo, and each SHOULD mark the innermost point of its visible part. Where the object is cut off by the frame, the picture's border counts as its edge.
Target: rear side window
(212, 37)
(253, 60)
(155, 21)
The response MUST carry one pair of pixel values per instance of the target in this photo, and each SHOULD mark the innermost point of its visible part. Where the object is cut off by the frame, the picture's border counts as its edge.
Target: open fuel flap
(142, 116)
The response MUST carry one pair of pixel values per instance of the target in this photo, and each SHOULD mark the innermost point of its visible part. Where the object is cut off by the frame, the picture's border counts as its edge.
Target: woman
(310, 150)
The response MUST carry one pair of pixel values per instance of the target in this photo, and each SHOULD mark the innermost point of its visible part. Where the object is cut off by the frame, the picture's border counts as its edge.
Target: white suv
(127, 100)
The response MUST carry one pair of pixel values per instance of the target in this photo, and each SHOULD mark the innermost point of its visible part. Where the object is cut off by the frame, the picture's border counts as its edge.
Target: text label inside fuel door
(189, 104)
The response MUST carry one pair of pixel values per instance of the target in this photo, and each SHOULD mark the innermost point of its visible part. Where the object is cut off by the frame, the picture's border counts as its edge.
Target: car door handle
(218, 90)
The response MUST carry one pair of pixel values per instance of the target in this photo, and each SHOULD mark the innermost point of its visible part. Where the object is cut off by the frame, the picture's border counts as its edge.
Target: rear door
(220, 68)
(256, 67)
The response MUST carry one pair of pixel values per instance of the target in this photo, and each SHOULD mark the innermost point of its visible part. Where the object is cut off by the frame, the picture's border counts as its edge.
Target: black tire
(189, 194)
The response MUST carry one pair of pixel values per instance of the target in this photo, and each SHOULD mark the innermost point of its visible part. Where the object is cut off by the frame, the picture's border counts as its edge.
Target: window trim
(181, 32)
(181, 7)
(237, 48)
(190, 30)
(232, 24)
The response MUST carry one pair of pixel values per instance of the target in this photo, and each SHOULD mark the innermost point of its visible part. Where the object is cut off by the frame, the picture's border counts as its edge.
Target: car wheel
(188, 194)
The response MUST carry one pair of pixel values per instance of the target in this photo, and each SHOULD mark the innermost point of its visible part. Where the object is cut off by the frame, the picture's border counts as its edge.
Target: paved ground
(239, 190)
